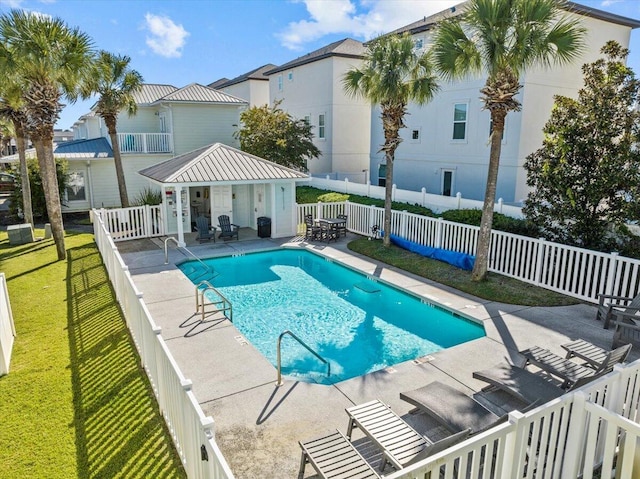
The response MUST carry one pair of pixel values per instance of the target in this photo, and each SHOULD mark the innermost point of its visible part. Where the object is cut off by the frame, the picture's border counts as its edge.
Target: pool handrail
(226, 304)
(279, 381)
(166, 255)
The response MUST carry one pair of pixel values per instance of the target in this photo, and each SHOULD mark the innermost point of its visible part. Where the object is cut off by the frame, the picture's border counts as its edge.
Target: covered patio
(220, 180)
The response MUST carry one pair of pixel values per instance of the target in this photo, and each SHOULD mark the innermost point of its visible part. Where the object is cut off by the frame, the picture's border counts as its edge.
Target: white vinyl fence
(576, 272)
(192, 432)
(133, 223)
(594, 427)
(7, 328)
(437, 203)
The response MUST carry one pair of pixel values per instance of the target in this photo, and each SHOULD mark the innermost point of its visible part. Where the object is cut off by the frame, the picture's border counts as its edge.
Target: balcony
(145, 142)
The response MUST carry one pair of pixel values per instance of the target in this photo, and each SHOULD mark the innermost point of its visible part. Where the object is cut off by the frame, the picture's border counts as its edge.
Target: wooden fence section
(576, 272)
(192, 432)
(133, 223)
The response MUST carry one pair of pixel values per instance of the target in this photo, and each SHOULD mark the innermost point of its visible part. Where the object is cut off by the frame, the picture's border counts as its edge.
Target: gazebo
(221, 180)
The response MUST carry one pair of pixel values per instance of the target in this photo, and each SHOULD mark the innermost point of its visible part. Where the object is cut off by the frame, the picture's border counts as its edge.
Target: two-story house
(169, 122)
(445, 146)
(252, 86)
(310, 88)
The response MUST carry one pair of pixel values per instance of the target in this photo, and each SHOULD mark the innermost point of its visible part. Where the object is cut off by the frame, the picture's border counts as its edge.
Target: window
(415, 135)
(382, 175)
(418, 44)
(290, 76)
(280, 82)
(460, 121)
(75, 186)
(307, 119)
(321, 133)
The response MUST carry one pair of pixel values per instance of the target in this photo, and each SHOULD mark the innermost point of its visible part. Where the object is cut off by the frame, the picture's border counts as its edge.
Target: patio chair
(334, 457)
(328, 232)
(342, 228)
(452, 408)
(607, 304)
(627, 331)
(204, 230)
(227, 229)
(312, 231)
(519, 383)
(569, 371)
(591, 354)
(401, 445)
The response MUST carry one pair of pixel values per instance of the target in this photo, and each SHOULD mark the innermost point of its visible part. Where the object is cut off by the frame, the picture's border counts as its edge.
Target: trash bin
(264, 227)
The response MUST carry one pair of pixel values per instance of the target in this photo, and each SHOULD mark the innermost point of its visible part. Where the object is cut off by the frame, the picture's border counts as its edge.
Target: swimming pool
(357, 324)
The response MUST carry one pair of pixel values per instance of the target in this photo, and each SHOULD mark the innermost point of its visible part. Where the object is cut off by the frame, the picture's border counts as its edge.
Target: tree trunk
(46, 162)
(481, 264)
(24, 175)
(392, 120)
(117, 160)
(386, 240)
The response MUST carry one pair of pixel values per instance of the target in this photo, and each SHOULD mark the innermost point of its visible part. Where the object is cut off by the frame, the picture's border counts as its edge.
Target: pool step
(367, 287)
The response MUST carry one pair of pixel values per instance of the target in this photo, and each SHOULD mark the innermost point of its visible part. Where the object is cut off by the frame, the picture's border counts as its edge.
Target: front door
(221, 203)
(447, 182)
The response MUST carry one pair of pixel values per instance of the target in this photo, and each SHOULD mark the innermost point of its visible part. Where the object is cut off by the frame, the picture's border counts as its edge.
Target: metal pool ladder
(280, 383)
(221, 303)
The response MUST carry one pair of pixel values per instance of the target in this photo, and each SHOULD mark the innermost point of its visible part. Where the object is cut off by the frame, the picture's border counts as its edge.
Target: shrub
(500, 222)
(38, 203)
(148, 196)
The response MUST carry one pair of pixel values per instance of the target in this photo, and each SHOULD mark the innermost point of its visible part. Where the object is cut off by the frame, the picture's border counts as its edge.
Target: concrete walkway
(258, 425)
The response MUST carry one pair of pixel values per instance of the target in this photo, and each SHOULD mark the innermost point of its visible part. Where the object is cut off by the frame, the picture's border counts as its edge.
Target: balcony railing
(145, 142)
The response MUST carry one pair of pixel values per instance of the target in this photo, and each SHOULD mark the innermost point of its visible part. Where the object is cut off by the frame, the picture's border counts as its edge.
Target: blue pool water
(357, 324)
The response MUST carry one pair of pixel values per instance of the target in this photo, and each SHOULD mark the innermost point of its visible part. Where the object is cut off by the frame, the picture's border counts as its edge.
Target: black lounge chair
(227, 229)
(204, 230)
(452, 408)
(608, 305)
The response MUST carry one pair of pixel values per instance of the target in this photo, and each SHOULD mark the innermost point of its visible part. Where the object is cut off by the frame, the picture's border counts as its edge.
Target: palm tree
(12, 110)
(51, 61)
(501, 39)
(116, 84)
(393, 74)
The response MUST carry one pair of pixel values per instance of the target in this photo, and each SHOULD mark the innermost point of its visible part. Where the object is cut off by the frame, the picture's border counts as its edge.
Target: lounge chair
(227, 229)
(607, 304)
(401, 445)
(591, 354)
(204, 230)
(569, 371)
(452, 408)
(334, 457)
(627, 331)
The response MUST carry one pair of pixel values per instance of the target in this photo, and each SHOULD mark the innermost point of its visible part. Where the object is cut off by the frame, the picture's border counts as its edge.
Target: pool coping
(258, 425)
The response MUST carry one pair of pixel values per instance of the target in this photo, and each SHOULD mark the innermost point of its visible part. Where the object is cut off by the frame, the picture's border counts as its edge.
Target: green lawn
(76, 402)
(496, 288)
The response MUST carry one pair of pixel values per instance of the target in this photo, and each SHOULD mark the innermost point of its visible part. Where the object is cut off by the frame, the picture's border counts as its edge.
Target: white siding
(256, 92)
(145, 120)
(195, 126)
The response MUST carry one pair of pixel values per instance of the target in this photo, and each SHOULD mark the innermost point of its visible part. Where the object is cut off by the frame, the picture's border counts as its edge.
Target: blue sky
(178, 42)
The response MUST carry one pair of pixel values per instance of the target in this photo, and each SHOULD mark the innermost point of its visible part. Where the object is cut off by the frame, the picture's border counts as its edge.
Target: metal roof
(256, 74)
(199, 93)
(346, 47)
(219, 163)
(94, 148)
(216, 84)
(151, 92)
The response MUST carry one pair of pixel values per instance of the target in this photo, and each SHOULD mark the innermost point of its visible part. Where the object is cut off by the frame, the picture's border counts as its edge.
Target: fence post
(575, 437)
(147, 221)
(424, 195)
(368, 188)
(403, 224)
(539, 258)
(393, 192)
(513, 443)
(438, 237)
(346, 186)
(372, 217)
(319, 210)
(613, 264)
(459, 198)
(500, 202)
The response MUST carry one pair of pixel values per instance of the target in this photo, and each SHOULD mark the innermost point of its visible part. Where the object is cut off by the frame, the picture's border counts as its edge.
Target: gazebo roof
(219, 163)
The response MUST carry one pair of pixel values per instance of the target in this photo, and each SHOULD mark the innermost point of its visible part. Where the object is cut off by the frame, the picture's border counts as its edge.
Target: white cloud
(167, 38)
(364, 19)
(11, 3)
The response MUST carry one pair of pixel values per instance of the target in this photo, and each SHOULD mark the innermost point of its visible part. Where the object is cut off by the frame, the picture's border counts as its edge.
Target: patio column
(181, 242)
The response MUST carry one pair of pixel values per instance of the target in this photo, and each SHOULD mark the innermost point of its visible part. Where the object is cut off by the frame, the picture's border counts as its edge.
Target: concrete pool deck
(258, 425)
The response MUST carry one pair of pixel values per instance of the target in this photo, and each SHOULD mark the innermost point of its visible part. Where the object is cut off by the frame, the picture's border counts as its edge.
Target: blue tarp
(460, 260)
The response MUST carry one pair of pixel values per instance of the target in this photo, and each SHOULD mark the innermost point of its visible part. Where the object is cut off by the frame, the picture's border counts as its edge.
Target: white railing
(133, 223)
(437, 203)
(7, 328)
(567, 437)
(192, 432)
(145, 142)
(576, 272)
